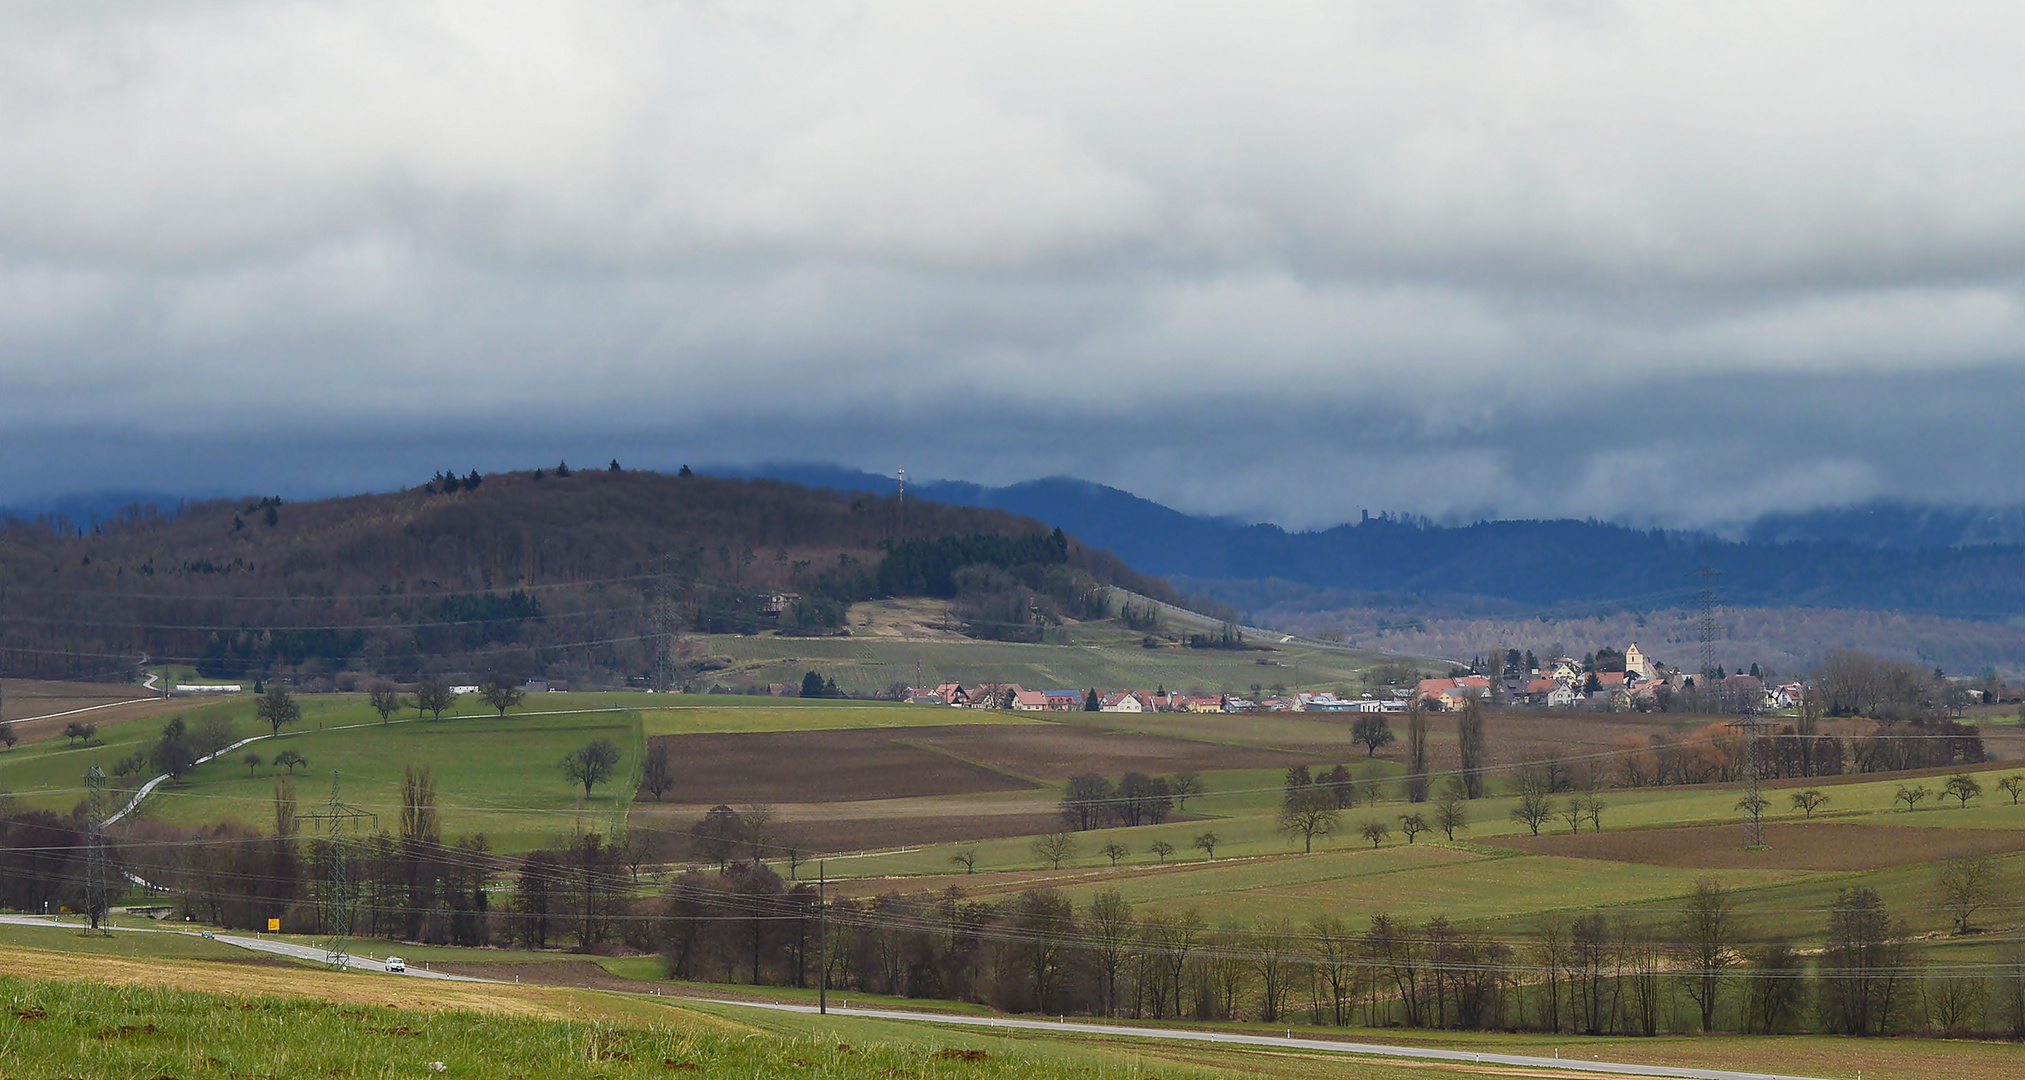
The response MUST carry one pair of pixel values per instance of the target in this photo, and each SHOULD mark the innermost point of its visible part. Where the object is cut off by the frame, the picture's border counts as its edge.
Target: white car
(396, 965)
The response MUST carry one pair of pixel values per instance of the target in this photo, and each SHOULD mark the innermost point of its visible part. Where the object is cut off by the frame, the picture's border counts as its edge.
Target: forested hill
(1882, 557)
(569, 574)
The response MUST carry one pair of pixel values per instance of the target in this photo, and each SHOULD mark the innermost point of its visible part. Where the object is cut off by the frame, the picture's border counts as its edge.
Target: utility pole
(822, 938)
(95, 902)
(341, 887)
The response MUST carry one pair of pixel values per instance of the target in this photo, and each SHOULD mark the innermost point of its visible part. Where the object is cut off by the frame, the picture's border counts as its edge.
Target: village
(1605, 681)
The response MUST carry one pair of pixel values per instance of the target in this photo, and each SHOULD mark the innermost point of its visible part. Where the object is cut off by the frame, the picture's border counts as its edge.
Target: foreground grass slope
(162, 1012)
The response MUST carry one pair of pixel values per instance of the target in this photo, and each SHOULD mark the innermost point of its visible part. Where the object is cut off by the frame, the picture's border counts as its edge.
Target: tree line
(1040, 952)
(1037, 951)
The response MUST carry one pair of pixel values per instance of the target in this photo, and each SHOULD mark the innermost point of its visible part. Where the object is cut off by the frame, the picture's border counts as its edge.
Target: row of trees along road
(1038, 951)
(1705, 969)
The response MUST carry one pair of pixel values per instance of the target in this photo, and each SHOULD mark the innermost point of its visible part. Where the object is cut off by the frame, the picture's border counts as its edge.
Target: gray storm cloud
(1664, 263)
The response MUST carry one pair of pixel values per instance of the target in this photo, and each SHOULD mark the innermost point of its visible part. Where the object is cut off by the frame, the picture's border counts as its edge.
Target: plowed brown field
(821, 766)
(897, 763)
(1057, 753)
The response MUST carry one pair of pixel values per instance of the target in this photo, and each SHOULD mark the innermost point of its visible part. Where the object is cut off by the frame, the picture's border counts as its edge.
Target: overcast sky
(1661, 263)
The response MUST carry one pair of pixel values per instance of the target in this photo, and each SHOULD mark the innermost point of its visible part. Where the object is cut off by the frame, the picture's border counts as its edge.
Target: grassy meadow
(500, 776)
(151, 1008)
(895, 642)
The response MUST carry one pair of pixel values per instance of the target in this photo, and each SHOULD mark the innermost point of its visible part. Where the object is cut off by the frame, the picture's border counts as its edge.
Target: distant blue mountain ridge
(1880, 555)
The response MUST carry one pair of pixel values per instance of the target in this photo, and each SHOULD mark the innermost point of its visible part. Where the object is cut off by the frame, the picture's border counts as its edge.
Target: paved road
(255, 944)
(1221, 1038)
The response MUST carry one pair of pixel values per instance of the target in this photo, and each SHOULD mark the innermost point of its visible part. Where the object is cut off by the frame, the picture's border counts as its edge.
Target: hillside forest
(587, 575)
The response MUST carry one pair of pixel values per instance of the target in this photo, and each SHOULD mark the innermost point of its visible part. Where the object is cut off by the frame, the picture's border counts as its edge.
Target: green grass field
(1259, 871)
(866, 664)
(75, 1012)
(500, 776)
(176, 1016)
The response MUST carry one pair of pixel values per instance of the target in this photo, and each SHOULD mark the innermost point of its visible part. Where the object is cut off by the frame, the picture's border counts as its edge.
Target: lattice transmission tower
(96, 903)
(1752, 727)
(1711, 600)
(663, 617)
(339, 902)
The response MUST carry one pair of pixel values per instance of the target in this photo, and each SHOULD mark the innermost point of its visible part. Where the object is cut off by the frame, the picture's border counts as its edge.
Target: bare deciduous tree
(1809, 801)
(278, 708)
(500, 693)
(1533, 809)
(1753, 805)
(656, 773)
(1962, 787)
(1054, 847)
(385, 700)
(1707, 937)
(433, 697)
(1451, 811)
(1308, 812)
(1470, 747)
(1966, 883)
(1416, 754)
(1109, 935)
(591, 765)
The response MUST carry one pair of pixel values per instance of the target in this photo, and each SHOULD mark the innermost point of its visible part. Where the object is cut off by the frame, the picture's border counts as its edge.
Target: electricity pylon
(95, 903)
(340, 900)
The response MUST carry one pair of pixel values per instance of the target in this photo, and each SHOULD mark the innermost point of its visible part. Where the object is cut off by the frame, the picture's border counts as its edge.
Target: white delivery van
(396, 965)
